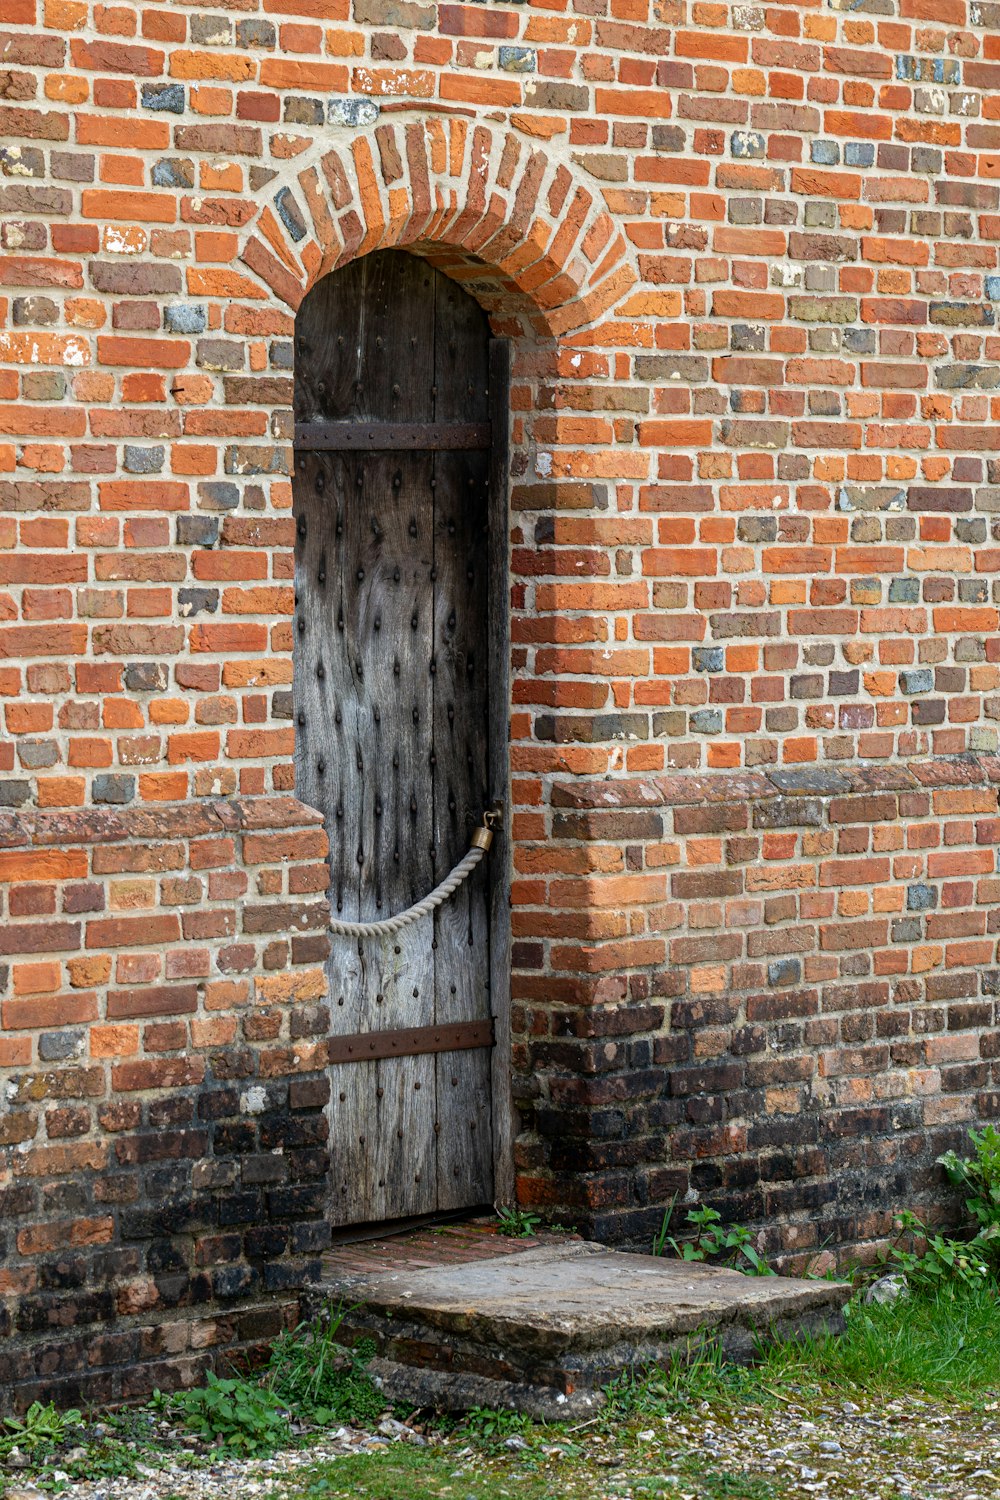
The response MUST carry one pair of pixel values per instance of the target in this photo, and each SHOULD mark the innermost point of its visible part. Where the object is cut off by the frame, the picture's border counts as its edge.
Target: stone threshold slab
(544, 1329)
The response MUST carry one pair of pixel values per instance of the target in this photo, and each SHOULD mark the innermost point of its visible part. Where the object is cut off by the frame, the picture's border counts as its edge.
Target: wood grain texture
(362, 337)
(461, 737)
(461, 788)
(392, 706)
(416, 1041)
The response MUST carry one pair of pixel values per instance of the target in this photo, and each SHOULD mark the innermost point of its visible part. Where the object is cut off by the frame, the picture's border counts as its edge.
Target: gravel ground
(903, 1448)
(908, 1447)
(194, 1474)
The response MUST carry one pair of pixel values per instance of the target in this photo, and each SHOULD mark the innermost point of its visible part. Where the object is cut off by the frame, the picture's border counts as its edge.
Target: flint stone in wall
(252, 33)
(113, 788)
(184, 318)
(173, 172)
(212, 31)
(870, 497)
(164, 96)
(34, 312)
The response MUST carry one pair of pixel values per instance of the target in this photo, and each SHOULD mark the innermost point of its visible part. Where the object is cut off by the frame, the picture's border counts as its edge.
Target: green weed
(935, 1263)
(320, 1380)
(236, 1414)
(491, 1426)
(712, 1240)
(310, 1378)
(979, 1177)
(41, 1429)
(660, 1240)
(941, 1264)
(517, 1223)
(702, 1374)
(65, 1446)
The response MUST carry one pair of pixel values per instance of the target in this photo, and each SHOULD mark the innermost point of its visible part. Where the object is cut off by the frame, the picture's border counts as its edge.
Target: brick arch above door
(489, 194)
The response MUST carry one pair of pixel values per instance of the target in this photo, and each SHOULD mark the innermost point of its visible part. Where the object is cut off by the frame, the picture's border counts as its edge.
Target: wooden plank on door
(364, 343)
(374, 648)
(461, 733)
(461, 722)
(395, 624)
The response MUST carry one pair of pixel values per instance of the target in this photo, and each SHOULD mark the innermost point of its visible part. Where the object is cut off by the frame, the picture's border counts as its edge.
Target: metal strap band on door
(384, 437)
(482, 838)
(416, 1041)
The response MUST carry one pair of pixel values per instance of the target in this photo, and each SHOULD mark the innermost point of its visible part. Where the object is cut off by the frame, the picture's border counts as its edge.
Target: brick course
(748, 259)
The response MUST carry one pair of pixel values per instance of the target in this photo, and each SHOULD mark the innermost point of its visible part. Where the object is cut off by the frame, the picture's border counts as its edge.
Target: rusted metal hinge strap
(375, 437)
(413, 1041)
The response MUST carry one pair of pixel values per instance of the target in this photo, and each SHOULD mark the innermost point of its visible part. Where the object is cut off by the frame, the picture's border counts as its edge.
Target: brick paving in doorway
(427, 1247)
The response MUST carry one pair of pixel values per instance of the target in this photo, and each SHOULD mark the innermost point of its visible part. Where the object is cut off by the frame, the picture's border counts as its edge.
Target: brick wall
(163, 1126)
(815, 1015)
(748, 259)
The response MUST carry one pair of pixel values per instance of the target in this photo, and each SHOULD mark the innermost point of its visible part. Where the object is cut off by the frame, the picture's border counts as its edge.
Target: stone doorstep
(544, 1329)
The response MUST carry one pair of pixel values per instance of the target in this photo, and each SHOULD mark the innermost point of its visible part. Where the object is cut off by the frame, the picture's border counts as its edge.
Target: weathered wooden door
(392, 705)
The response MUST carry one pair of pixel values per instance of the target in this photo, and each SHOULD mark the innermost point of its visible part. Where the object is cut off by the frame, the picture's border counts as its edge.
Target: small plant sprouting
(517, 1223)
(311, 1378)
(490, 1425)
(660, 1240)
(936, 1265)
(65, 1443)
(711, 1240)
(235, 1414)
(40, 1429)
(320, 1379)
(978, 1176)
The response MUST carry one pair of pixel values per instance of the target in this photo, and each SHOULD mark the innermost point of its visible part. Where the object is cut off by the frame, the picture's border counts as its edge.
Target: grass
(317, 1378)
(946, 1348)
(420, 1474)
(407, 1473)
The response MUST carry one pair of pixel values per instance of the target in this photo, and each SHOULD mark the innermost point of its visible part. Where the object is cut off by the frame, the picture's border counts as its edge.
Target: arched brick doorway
(529, 238)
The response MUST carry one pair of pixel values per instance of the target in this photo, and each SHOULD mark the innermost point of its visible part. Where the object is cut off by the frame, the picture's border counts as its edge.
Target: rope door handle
(479, 844)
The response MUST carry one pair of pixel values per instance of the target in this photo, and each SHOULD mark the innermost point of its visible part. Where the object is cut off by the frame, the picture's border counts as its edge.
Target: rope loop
(482, 837)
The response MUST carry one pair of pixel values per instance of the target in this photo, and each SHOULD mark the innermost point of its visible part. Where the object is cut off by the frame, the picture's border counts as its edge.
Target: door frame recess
(505, 1124)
